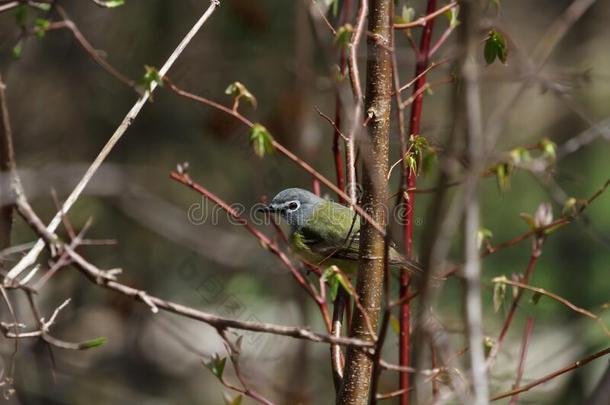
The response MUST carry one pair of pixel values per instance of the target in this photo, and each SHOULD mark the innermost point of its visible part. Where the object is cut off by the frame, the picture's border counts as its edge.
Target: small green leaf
(17, 49)
(536, 297)
(520, 155)
(21, 15)
(503, 173)
(335, 9)
(41, 6)
(232, 401)
(239, 91)
(428, 161)
(395, 324)
(151, 75)
(335, 278)
(484, 235)
(261, 140)
(97, 342)
(570, 208)
(40, 26)
(333, 289)
(495, 47)
(452, 16)
(216, 365)
(499, 295)
(407, 15)
(114, 3)
(488, 344)
(549, 149)
(529, 220)
(343, 35)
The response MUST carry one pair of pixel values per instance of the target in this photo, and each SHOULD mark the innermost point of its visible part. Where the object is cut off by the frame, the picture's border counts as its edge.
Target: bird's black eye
(293, 205)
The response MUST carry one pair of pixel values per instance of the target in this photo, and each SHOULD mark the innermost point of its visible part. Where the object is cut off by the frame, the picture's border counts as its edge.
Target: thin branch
(524, 345)
(33, 254)
(555, 297)
(354, 75)
(552, 375)
(67, 23)
(421, 22)
(472, 121)
(265, 241)
(283, 150)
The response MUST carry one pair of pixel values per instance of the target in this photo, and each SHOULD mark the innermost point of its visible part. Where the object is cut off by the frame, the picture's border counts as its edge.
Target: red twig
(552, 375)
(282, 149)
(536, 252)
(409, 198)
(524, 345)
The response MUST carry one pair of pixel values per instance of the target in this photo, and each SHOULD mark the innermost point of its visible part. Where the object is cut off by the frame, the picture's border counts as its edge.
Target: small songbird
(325, 233)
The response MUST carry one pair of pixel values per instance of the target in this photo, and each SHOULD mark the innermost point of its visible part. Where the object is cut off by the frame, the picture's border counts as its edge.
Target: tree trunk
(359, 366)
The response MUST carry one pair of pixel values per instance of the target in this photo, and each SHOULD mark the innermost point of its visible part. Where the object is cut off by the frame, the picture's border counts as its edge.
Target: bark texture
(359, 365)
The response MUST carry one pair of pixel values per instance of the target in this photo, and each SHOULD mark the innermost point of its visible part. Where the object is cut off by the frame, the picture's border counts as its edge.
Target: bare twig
(354, 75)
(561, 300)
(67, 23)
(552, 375)
(421, 22)
(283, 150)
(472, 114)
(32, 255)
(524, 345)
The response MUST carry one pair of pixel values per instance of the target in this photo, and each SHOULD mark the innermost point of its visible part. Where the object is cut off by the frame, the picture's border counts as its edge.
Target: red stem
(524, 345)
(414, 128)
(536, 252)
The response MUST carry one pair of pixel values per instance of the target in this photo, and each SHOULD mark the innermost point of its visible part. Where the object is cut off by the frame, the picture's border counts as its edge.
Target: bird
(325, 233)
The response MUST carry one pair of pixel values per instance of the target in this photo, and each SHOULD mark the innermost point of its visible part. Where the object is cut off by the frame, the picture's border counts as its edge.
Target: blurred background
(175, 245)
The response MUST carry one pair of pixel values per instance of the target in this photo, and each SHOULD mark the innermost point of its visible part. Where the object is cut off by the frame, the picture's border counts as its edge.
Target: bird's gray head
(295, 205)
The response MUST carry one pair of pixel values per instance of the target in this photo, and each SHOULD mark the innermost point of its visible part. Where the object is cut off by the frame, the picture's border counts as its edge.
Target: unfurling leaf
(395, 324)
(484, 235)
(21, 15)
(232, 401)
(499, 295)
(570, 207)
(261, 140)
(503, 173)
(216, 365)
(113, 3)
(488, 344)
(343, 35)
(536, 297)
(151, 75)
(544, 215)
(97, 342)
(529, 220)
(520, 155)
(335, 278)
(495, 47)
(407, 15)
(549, 149)
(40, 26)
(452, 16)
(17, 49)
(239, 91)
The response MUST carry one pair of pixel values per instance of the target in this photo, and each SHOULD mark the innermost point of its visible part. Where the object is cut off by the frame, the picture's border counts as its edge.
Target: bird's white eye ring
(293, 205)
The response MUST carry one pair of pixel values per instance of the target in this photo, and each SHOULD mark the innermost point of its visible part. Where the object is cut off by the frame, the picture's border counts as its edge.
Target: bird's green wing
(333, 232)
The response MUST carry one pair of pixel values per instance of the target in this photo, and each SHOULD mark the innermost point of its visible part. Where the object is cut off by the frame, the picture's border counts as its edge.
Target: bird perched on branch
(325, 233)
